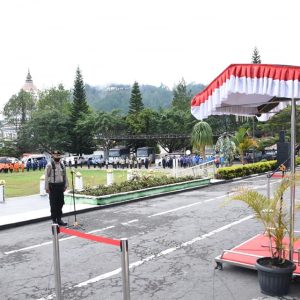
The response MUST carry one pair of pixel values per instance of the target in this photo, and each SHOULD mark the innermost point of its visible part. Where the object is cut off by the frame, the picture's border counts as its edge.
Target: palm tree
(202, 136)
(243, 142)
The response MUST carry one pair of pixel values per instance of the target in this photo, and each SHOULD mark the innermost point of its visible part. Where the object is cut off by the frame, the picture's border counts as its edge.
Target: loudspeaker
(281, 136)
(284, 154)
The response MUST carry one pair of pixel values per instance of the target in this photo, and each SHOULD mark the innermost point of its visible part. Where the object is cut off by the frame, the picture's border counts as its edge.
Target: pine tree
(181, 96)
(256, 56)
(80, 105)
(136, 102)
(80, 131)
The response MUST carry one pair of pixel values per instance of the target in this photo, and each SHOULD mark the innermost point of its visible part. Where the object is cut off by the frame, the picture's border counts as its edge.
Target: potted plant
(274, 272)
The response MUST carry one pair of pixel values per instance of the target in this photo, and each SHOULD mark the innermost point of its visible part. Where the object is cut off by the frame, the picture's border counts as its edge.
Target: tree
(202, 136)
(8, 148)
(175, 121)
(144, 122)
(81, 136)
(46, 131)
(243, 142)
(282, 121)
(136, 106)
(225, 123)
(181, 96)
(48, 127)
(107, 125)
(226, 148)
(55, 98)
(136, 103)
(19, 109)
(256, 56)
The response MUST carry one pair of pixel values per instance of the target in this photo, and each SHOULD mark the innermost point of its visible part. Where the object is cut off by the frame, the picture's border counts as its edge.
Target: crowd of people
(36, 164)
(21, 166)
(122, 163)
(167, 161)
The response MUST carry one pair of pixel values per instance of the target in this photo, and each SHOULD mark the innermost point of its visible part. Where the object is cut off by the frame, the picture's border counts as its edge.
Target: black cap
(56, 153)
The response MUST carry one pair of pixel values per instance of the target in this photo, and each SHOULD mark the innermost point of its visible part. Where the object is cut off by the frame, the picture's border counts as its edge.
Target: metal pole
(292, 203)
(253, 140)
(56, 262)
(125, 269)
(73, 194)
(268, 185)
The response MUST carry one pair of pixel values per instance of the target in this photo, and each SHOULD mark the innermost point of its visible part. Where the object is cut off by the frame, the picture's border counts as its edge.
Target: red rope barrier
(91, 237)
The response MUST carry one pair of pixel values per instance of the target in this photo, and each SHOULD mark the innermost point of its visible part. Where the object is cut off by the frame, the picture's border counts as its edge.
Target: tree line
(63, 119)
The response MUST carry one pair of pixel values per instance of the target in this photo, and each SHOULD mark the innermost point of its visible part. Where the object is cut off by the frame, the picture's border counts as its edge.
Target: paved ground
(29, 209)
(173, 241)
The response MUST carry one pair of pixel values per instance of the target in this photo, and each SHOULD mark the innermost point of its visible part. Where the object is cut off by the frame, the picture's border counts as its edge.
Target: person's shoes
(61, 223)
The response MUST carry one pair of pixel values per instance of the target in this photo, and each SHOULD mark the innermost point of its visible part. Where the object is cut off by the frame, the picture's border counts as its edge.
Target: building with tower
(28, 86)
(8, 132)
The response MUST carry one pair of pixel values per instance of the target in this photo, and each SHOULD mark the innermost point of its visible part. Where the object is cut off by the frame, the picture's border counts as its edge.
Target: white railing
(204, 170)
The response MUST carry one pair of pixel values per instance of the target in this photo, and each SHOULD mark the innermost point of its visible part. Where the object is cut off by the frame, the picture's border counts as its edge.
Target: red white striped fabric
(241, 89)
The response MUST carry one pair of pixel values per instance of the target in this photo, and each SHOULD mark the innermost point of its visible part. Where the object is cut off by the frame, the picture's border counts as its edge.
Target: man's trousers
(56, 197)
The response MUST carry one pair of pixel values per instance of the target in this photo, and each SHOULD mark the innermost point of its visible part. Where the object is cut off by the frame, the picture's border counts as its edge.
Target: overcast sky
(152, 42)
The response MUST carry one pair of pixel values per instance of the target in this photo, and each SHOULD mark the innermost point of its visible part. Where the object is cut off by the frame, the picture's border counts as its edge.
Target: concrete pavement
(28, 209)
(17, 211)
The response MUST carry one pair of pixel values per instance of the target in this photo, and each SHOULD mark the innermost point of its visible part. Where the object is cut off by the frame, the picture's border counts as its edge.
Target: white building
(28, 86)
(8, 131)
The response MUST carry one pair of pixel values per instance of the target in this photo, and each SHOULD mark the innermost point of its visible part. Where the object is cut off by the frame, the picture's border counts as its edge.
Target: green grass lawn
(28, 183)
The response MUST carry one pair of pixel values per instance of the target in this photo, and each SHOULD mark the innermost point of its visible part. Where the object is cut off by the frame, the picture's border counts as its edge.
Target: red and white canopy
(248, 90)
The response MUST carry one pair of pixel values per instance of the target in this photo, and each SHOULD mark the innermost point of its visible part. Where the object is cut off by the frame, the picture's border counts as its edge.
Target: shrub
(138, 183)
(245, 170)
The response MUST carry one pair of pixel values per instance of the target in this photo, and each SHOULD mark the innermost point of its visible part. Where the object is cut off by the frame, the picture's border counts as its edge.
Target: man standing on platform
(56, 182)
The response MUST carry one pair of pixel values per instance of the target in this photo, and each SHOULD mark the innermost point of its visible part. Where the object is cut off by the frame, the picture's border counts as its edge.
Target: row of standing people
(36, 164)
(14, 167)
(123, 163)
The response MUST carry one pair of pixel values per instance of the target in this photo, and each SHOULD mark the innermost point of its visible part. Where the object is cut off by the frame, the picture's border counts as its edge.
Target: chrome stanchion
(125, 269)
(268, 185)
(56, 262)
(292, 201)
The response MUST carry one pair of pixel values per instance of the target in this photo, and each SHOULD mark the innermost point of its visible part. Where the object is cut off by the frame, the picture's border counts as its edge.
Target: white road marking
(50, 242)
(186, 206)
(129, 222)
(152, 257)
(136, 220)
(102, 229)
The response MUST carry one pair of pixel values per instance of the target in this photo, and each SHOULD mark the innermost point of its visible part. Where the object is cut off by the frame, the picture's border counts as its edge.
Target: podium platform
(246, 253)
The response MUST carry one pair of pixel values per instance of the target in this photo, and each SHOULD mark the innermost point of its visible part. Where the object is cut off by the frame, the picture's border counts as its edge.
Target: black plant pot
(274, 280)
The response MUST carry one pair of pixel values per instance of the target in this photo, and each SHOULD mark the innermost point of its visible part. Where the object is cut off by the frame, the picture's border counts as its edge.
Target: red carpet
(248, 252)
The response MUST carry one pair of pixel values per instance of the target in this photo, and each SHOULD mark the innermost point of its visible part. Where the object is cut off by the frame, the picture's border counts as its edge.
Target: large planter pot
(274, 280)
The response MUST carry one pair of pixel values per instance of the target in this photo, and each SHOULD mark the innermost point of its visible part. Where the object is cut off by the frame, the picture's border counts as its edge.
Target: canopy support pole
(292, 203)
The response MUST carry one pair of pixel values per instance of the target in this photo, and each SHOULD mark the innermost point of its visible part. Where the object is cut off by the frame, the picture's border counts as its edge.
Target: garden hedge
(133, 185)
(245, 170)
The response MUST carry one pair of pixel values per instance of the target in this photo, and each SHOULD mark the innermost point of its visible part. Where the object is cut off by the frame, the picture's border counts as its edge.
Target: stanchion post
(125, 269)
(56, 262)
(268, 185)
(293, 195)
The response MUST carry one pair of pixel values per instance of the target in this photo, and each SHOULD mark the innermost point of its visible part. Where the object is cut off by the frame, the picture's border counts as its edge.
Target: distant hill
(117, 96)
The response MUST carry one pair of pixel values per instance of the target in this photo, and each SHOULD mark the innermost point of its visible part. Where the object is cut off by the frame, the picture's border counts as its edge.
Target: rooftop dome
(29, 86)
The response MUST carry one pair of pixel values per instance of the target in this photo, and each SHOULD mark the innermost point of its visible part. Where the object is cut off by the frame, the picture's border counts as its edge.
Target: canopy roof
(248, 90)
